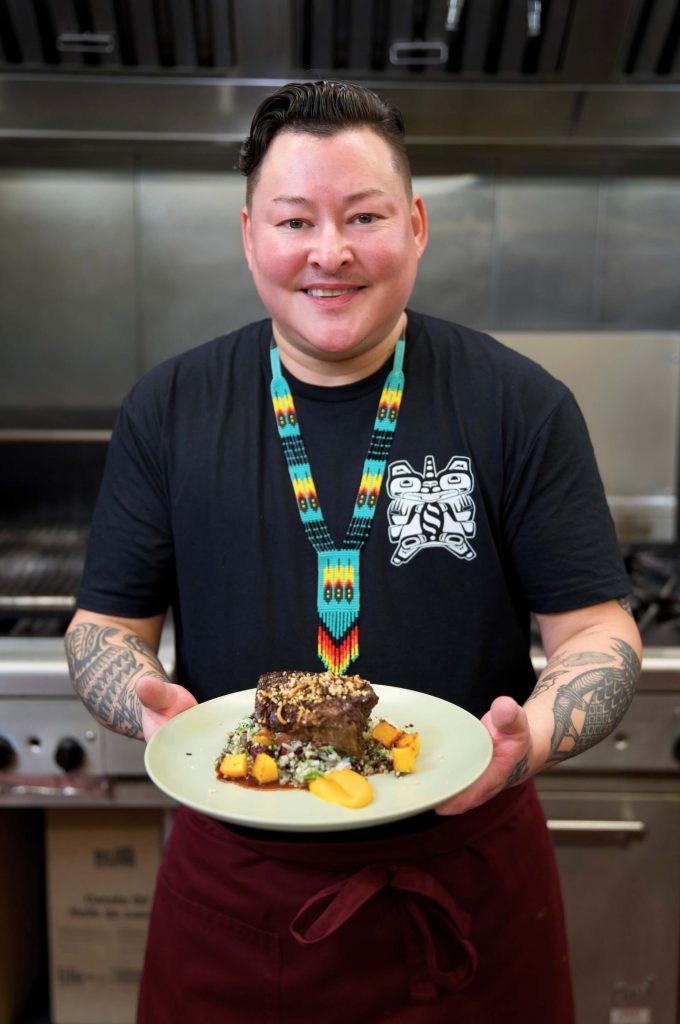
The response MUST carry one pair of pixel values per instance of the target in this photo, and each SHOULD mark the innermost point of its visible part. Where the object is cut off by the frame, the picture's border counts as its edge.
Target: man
(222, 505)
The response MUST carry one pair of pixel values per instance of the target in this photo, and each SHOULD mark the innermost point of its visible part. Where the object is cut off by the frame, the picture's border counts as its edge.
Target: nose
(331, 250)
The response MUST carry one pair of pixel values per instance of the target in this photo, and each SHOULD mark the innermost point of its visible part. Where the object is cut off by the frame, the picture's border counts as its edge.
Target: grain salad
(297, 762)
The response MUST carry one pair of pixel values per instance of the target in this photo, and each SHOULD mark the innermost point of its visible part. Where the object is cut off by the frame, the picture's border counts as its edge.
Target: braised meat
(316, 707)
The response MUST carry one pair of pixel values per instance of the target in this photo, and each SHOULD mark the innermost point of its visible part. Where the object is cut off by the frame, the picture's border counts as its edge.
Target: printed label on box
(630, 1015)
(101, 874)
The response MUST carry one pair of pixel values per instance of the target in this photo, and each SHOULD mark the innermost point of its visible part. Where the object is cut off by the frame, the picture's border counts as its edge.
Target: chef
(453, 481)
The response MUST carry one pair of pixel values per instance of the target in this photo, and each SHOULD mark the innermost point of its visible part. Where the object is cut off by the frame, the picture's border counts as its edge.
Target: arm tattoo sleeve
(561, 666)
(591, 703)
(105, 662)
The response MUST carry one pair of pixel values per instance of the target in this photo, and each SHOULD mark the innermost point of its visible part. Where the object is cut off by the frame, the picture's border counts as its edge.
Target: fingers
(508, 725)
(507, 716)
(154, 693)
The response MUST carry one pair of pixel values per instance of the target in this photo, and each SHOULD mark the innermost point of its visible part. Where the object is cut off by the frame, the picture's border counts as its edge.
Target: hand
(160, 702)
(508, 726)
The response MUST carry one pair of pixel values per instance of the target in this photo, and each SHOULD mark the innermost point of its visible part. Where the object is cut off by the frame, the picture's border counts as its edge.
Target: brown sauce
(250, 783)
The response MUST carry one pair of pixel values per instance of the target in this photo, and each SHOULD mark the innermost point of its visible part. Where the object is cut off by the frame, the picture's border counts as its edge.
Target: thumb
(507, 716)
(154, 693)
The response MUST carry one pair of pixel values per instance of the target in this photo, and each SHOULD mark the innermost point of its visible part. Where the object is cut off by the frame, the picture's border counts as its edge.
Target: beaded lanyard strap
(338, 568)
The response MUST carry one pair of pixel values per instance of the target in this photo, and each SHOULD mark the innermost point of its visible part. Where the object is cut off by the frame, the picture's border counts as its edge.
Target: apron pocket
(203, 958)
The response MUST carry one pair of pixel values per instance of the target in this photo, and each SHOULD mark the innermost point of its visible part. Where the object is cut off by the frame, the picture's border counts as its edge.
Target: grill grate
(40, 562)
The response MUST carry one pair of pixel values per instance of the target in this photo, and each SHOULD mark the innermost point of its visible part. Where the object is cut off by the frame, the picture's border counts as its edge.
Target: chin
(343, 345)
(336, 350)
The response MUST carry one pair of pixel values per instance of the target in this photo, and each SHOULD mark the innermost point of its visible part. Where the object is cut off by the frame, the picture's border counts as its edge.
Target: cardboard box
(22, 939)
(101, 872)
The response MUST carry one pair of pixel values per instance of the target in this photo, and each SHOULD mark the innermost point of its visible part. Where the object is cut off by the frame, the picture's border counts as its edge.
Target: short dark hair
(321, 108)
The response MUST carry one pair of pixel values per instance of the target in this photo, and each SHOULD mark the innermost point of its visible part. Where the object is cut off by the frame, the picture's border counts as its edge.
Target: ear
(419, 224)
(245, 235)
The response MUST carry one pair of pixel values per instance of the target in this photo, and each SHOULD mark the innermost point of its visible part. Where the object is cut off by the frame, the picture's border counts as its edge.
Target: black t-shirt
(491, 507)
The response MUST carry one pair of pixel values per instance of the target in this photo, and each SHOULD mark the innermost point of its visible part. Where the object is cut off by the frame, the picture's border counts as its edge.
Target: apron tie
(422, 902)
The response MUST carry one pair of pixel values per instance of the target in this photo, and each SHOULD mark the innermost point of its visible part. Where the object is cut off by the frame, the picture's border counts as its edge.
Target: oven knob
(69, 755)
(7, 753)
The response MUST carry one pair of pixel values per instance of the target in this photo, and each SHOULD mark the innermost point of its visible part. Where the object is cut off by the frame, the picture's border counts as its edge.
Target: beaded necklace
(338, 568)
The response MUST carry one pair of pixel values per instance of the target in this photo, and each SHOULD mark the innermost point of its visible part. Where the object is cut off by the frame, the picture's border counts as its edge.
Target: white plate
(455, 748)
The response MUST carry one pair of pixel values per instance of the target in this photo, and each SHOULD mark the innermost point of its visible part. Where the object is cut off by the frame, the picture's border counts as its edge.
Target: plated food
(455, 750)
(315, 730)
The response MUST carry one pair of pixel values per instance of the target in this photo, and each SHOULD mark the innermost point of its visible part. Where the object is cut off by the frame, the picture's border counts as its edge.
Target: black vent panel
(654, 50)
(110, 36)
(432, 38)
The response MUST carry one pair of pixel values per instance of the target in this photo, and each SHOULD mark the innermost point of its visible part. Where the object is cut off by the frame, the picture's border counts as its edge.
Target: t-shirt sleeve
(558, 526)
(129, 566)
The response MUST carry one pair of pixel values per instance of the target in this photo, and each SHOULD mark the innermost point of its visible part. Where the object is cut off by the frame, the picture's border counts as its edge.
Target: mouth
(331, 293)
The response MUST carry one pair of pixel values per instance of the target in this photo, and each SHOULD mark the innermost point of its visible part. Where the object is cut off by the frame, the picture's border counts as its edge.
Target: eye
(365, 218)
(294, 223)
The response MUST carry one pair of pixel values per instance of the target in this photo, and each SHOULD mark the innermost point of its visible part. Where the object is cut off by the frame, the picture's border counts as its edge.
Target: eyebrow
(355, 197)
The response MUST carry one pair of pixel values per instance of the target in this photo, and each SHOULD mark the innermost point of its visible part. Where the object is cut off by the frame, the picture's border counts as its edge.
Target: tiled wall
(106, 271)
(551, 254)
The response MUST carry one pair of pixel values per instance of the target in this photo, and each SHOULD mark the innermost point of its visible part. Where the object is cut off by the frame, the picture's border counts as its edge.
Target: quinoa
(300, 762)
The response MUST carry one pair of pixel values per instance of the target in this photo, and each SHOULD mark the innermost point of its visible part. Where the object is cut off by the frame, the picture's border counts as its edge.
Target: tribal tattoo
(105, 663)
(568, 661)
(590, 704)
(518, 772)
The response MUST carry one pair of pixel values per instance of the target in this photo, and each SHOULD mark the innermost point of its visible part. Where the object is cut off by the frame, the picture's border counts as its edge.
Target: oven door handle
(597, 826)
(97, 787)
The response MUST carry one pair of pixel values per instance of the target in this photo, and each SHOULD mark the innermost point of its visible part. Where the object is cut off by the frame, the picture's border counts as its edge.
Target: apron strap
(421, 901)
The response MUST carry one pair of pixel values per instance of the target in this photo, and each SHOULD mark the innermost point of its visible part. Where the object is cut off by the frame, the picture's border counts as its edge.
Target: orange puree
(343, 787)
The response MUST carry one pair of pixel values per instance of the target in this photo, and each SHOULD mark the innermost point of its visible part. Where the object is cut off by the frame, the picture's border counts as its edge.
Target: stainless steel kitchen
(544, 138)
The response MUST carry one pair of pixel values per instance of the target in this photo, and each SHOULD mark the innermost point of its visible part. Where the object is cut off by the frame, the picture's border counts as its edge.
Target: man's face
(333, 241)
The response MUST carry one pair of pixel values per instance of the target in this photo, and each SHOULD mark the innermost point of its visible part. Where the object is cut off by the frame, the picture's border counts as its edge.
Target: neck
(332, 372)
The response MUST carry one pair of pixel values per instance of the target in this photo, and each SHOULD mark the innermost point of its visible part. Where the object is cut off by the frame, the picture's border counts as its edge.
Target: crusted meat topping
(305, 689)
(316, 707)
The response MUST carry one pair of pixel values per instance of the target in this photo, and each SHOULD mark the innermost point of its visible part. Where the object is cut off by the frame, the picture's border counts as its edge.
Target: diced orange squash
(343, 787)
(234, 766)
(385, 733)
(264, 769)
(403, 759)
(264, 737)
(409, 739)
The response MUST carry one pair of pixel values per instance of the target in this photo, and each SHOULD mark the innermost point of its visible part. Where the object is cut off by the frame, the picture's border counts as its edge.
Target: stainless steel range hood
(499, 73)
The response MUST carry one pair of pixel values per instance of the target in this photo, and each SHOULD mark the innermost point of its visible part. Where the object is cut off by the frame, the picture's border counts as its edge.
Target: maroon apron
(458, 922)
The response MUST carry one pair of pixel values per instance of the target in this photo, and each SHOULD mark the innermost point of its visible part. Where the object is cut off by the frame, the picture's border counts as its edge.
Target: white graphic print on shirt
(431, 509)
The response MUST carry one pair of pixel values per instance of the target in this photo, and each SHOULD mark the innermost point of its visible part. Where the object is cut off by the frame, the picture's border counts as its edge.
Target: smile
(328, 293)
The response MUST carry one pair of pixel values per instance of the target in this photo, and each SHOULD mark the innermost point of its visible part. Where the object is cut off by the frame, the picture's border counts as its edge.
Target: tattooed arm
(585, 689)
(115, 671)
(589, 681)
